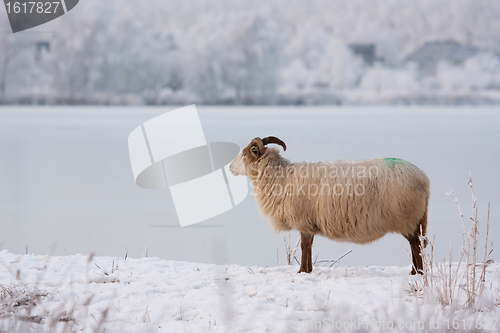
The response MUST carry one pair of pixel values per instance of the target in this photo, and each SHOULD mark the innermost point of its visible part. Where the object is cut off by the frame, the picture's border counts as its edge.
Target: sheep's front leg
(306, 241)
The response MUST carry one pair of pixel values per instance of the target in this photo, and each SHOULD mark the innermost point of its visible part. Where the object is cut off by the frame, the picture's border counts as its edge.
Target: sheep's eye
(243, 155)
(254, 149)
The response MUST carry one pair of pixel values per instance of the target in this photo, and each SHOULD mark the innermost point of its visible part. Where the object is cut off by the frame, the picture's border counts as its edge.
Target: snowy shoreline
(149, 294)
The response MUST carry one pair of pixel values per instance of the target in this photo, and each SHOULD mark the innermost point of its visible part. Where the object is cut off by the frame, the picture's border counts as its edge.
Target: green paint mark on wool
(391, 161)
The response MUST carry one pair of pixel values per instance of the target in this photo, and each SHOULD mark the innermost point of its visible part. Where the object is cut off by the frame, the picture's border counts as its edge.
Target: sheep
(343, 200)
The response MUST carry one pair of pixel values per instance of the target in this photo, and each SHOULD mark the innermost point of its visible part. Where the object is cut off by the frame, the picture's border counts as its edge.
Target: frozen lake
(66, 183)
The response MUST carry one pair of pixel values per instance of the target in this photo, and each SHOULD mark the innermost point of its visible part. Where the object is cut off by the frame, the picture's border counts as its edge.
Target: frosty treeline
(257, 52)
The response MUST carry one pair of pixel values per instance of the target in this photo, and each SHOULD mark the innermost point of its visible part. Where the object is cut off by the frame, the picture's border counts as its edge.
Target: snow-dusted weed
(461, 294)
(460, 284)
(27, 303)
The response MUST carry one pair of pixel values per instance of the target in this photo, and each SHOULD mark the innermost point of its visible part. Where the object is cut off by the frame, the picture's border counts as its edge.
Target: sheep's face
(250, 154)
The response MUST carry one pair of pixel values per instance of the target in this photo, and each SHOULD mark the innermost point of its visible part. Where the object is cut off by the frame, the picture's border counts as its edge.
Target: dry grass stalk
(462, 284)
(288, 250)
(180, 316)
(289, 253)
(145, 317)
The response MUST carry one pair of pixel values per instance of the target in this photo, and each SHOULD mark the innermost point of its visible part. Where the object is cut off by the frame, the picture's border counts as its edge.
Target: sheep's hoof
(304, 271)
(414, 272)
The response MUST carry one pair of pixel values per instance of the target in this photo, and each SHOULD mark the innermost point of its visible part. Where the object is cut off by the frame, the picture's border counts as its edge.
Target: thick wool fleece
(349, 201)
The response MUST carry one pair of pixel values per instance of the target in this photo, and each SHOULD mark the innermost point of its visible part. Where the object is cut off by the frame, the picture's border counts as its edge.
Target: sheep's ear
(257, 142)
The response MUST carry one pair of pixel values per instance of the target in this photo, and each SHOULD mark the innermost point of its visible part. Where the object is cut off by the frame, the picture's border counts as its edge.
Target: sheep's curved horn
(273, 139)
(259, 143)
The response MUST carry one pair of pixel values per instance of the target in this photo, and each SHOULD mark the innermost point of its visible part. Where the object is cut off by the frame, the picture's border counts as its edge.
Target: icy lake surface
(66, 184)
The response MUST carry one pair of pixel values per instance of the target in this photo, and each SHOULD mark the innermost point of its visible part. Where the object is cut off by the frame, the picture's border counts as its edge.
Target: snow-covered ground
(150, 294)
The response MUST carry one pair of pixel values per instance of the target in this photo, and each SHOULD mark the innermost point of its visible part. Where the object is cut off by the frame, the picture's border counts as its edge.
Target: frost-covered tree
(223, 51)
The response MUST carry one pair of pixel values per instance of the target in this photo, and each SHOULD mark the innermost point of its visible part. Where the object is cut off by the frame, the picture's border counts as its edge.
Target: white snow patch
(151, 294)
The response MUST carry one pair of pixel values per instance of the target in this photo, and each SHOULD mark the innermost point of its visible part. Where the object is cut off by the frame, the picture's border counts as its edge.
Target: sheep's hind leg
(415, 253)
(417, 245)
(306, 241)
